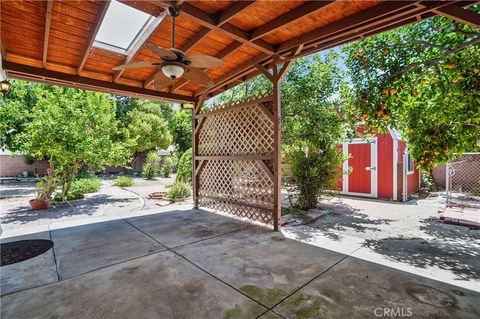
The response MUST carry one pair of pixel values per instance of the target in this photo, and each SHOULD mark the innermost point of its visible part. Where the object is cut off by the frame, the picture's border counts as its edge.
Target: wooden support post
(195, 130)
(277, 142)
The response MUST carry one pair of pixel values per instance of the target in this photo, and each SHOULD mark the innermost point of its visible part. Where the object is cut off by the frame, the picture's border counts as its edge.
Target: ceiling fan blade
(161, 81)
(198, 76)
(204, 61)
(135, 65)
(162, 52)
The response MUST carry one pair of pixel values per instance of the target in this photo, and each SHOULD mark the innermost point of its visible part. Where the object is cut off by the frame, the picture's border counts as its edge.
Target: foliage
(184, 171)
(167, 164)
(47, 185)
(150, 168)
(87, 185)
(314, 173)
(123, 181)
(428, 183)
(178, 191)
(74, 194)
(424, 81)
(145, 127)
(181, 128)
(73, 129)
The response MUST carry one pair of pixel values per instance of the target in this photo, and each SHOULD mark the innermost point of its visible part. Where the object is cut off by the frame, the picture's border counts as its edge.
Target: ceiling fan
(174, 63)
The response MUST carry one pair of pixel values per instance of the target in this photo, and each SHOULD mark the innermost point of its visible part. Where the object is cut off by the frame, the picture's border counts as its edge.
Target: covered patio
(191, 262)
(195, 264)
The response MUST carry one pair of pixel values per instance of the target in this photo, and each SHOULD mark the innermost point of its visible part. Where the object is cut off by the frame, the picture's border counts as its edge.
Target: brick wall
(11, 166)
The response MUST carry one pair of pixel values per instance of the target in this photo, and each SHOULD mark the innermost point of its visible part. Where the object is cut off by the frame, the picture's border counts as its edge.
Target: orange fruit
(385, 52)
(403, 86)
(364, 116)
(476, 70)
(411, 131)
(445, 150)
(450, 66)
(361, 53)
(414, 92)
(423, 81)
(379, 113)
(422, 161)
(365, 64)
(436, 153)
(386, 116)
(393, 91)
(385, 91)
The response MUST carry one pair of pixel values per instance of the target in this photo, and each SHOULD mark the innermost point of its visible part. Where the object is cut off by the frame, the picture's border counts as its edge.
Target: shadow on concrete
(342, 216)
(462, 260)
(88, 206)
(442, 231)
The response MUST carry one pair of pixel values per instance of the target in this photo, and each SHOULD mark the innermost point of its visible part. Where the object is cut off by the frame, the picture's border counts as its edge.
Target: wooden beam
(363, 17)
(233, 10)
(234, 107)
(46, 34)
(205, 19)
(277, 147)
(264, 71)
(266, 170)
(235, 157)
(199, 36)
(289, 17)
(459, 14)
(21, 71)
(142, 40)
(96, 26)
(220, 55)
(199, 167)
(199, 126)
(265, 110)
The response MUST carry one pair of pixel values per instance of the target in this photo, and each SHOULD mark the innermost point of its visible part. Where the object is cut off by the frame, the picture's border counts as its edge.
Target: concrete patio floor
(195, 264)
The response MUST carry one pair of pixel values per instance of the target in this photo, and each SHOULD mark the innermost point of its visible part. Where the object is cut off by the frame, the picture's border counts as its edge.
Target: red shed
(379, 167)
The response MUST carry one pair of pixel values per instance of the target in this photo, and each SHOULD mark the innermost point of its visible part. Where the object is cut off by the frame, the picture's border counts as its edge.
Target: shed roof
(52, 41)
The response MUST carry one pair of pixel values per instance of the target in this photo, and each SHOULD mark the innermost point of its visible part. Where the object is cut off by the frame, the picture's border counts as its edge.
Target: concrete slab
(356, 288)
(36, 271)
(270, 315)
(181, 227)
(161, 285)
(85, 248)
(264, 265)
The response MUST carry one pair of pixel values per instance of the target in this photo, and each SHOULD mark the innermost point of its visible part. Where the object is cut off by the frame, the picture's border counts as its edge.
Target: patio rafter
(46, 35)
(461, 15)
(93, 33)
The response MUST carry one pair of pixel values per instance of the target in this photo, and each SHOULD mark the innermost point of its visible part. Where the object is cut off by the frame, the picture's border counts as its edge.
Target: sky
(121, 25)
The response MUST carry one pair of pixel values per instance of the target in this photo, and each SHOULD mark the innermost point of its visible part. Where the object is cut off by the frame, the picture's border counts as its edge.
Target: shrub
(72, 195)
(86, 185)
(314, 173)
(179, 190)
(123, 181)
(184, 172)
(167, 164)
(150, 168)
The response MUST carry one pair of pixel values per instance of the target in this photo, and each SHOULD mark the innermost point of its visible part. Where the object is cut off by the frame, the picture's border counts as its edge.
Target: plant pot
(38, 204)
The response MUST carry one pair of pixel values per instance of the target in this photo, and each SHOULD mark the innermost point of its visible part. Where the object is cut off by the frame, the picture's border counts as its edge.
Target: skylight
(120, 27)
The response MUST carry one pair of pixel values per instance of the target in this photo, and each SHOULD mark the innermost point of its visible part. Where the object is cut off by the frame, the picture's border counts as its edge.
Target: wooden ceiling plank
(142, 40)
(98, 22)
(46, 36)
(226, 15)
(220, 55)
(228, 29)
(289, 17)
(460, 15)
(199, 36)
(21, 71)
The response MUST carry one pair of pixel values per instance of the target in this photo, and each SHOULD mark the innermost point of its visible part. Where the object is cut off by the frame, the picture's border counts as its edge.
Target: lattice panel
(237, 187)
(239, 132)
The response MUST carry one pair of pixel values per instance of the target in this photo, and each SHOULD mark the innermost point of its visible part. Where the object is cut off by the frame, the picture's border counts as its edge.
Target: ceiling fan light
(172, 71)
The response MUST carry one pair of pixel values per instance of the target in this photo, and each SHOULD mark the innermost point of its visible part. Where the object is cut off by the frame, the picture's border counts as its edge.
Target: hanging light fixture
(5, 87)
(172, 70)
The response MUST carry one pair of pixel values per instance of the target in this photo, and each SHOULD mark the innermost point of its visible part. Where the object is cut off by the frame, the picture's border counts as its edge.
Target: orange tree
(423, 80)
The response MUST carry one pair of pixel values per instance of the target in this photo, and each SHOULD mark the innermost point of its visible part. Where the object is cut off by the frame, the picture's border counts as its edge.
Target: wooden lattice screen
(233, 158)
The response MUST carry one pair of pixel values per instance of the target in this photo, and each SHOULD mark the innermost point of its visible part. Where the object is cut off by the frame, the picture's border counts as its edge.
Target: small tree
(181, 128)
(150, 168)
(73, 129)
(184, 172)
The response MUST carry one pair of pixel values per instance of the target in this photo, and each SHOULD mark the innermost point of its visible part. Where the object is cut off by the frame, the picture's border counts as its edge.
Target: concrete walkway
(195, 264)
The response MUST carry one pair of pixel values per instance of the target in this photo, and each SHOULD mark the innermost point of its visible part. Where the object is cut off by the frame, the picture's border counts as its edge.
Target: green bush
(184, 172)
(72, 195)
(179, 190)
(150, 168)
(314, 173)
(123, 181)
(167, 165)
(86, 185)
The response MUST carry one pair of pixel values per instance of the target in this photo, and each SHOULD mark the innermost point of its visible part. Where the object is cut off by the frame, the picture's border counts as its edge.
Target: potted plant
(45, 189)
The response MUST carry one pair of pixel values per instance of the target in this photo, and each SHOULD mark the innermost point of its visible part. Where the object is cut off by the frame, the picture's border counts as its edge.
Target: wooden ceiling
(52, 41)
